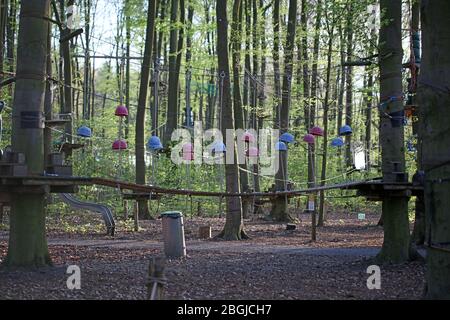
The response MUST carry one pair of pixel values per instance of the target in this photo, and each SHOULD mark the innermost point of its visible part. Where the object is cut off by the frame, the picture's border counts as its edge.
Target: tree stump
(204, 232)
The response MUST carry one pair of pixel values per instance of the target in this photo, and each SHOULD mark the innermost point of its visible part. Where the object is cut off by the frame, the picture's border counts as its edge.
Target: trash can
(173, 234)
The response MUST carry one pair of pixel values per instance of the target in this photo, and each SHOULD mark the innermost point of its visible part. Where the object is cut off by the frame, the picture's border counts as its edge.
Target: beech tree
(234, 227)
(142, 104)
(279, 209)
(434, 100)
(396, 244)
(27, 239)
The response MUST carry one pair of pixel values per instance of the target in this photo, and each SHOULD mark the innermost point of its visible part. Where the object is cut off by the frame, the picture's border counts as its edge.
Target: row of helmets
(154, 143)
(285, 139)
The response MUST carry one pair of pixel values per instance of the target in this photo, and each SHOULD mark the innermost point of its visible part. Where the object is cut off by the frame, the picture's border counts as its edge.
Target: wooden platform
(371, 189)
(377, 190)
(38, 185)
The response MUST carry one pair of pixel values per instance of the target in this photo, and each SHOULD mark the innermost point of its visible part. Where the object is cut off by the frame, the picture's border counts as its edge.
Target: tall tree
(127, 14)
(172, 104)
(236, 38)
(234, 227)
(418, 234)
(342, 81)
(434, 99)
(349, 83)
(279, 210)
(396, 246)
(180, 51)
(27, 239)
(67, 101)
(87, 59)
(3, 23)
(276, 62)
(330, 25)
(142, 103)
(10, 38)
(314, 93)
(303, 67)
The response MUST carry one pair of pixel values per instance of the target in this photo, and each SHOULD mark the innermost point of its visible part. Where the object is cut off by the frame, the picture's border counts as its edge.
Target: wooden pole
(312, 197)
(156, 279)
(136, 216)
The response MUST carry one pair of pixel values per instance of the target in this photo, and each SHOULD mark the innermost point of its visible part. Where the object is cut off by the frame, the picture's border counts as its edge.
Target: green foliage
(97, 158)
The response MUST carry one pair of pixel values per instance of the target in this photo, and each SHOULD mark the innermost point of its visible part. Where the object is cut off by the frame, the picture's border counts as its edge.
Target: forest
(224, 149)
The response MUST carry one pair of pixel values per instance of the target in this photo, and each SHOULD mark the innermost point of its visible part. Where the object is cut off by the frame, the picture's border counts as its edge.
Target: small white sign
(311, 206)
(361, 216)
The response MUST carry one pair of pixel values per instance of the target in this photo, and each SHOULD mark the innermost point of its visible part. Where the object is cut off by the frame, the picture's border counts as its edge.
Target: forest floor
(273, 264)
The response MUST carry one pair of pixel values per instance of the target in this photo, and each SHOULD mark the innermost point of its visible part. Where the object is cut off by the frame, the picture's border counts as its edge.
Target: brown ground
(273, 264)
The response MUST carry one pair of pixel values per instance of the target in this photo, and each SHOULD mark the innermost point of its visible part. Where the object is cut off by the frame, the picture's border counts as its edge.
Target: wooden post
(204, 232)
(136, 216)
(125, 209)
(156, 279)
(312, 210)
(312, 196)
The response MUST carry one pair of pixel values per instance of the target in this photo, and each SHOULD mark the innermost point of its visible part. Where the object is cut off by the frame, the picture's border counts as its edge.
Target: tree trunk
(304, 62)
(27, 238)
(172, 104)
(325, 124)
(255, 58)
(247, 62)
(279, 208)
(434, 99)
(48, 110)
(128, 65)
(313, 95)
(180, 55)
(67, 65)
(340, 103)
(396, 246)
(87, 59)
(236, 38)
(10, 41)
(418, 234)
(349, 87)
(369, 106)
(276, 62)
(3, 23)
(142, 102)
(234, 226)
